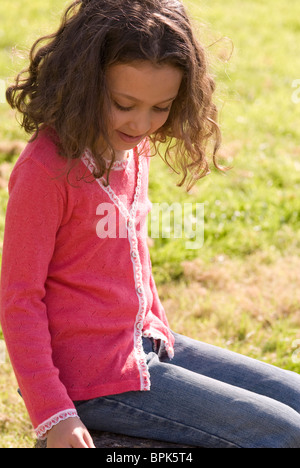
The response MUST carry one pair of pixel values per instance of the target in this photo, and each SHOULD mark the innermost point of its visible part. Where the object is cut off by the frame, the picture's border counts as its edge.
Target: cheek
(159, 120)
(118, 119)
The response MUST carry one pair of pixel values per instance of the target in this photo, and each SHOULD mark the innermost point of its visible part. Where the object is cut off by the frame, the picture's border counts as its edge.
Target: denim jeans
(205, 397)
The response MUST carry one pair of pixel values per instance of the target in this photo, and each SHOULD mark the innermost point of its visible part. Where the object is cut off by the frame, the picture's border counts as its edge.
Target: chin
(124, 148)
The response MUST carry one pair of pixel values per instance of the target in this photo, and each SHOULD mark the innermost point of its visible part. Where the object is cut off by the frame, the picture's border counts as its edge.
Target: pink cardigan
(77, 292)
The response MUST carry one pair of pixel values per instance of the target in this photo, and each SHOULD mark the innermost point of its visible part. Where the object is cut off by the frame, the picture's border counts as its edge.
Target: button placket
(139, 323)
(137, 267)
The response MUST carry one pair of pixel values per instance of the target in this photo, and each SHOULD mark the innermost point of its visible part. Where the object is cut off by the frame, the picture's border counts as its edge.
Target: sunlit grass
(241, 289)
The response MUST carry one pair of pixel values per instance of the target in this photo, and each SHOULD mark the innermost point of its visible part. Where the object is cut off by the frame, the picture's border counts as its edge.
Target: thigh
(237, 370)
(186, 407)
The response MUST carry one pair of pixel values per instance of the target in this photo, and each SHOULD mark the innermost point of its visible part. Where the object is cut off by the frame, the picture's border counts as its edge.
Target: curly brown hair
(65, 84)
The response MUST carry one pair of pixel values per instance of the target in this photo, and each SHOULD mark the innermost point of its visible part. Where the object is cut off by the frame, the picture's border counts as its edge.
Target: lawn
(240, 290)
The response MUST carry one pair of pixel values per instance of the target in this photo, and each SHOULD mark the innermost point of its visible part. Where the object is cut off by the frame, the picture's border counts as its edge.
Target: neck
(120, 155)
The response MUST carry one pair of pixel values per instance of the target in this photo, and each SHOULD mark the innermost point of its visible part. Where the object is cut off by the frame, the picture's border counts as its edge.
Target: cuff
(43, 428)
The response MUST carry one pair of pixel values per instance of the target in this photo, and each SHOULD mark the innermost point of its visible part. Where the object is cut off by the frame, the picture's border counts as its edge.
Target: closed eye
(121, 108)
(160, 109)
(128, 109)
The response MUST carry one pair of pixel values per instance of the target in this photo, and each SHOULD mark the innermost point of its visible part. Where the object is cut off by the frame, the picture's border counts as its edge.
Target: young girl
(87, 335)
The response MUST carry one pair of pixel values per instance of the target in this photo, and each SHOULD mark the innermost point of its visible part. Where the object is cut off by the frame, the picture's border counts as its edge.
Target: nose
(140, 123)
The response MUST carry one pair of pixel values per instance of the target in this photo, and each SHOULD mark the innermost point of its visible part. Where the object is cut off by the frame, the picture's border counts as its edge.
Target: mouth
(130, 138)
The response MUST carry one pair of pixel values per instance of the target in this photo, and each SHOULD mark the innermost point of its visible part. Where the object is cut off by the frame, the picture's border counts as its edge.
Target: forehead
(144, 81)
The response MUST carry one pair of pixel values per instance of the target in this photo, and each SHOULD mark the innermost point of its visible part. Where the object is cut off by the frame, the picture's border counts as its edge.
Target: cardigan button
(139, 290)
(130, 223)
(134, 254)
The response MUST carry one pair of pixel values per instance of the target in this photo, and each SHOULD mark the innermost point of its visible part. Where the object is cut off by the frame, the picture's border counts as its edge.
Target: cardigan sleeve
(34, 213)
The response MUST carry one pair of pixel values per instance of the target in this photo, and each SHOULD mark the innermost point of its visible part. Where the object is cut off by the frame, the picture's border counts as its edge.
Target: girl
(86, 332)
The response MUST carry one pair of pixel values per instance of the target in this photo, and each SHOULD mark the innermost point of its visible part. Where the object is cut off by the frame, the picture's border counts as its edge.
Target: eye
(128, 109)
(121, 108)
(160, 109)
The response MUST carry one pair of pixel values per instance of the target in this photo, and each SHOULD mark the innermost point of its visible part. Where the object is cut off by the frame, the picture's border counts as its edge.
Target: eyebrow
(137, 100)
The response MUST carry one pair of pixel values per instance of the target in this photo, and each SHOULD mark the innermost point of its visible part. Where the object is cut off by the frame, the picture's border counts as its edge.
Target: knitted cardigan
(77, 291)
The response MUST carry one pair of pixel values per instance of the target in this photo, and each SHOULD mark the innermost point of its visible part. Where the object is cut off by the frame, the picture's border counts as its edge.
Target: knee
(293, 439)
(275, 427)
(287, 436)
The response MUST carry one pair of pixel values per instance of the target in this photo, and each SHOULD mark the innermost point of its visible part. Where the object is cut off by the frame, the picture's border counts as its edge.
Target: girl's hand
(70, 433)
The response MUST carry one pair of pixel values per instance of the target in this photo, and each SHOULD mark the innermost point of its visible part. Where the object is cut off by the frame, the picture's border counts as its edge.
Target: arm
(34, 213)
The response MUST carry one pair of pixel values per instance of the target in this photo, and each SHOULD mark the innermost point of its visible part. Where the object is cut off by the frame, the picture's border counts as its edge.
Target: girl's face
(142, 95)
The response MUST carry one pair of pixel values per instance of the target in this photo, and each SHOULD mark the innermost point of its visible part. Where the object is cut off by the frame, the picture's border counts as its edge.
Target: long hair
(65, 84)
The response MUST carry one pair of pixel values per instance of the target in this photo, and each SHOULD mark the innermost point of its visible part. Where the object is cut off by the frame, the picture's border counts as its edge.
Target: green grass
(241, 289)
(21, 24)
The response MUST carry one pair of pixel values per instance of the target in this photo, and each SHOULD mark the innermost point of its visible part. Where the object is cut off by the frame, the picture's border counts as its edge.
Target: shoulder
(42, 154)
(40, 168)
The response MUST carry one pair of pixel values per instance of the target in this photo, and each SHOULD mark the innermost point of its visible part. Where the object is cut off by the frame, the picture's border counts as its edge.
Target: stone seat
(110, 440)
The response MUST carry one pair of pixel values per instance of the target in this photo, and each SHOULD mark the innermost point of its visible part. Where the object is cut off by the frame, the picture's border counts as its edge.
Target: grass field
(241, 289)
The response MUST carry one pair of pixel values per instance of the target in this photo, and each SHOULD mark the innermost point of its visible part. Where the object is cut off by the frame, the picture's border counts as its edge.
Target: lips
(130, 138)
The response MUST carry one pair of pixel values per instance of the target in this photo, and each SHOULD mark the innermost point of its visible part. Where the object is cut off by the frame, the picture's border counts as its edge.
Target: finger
(78, 441)
(88, 439)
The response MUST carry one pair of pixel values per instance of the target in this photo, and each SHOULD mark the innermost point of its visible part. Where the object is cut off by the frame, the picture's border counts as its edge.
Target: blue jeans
(205, 397)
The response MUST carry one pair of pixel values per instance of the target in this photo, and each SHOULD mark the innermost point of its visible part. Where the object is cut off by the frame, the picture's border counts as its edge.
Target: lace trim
(120, 165)
(139, 322)
(43, 428)
(136, 263)
(117, 165)
(87, 159)
(160, 336)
